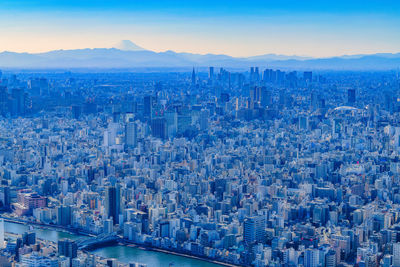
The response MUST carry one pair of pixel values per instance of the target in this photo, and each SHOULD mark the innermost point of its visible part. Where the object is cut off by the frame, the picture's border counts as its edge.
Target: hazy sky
(239, 28)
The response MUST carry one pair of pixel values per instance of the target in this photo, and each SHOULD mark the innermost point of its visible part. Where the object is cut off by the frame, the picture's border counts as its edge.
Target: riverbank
(46, 226)
(169, 252)
(123, 242)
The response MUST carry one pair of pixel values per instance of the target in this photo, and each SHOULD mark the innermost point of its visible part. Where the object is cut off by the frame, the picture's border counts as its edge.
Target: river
(121, 253)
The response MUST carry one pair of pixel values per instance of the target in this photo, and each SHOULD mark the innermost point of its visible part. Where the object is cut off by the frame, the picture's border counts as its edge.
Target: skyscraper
(193, 77)
(254, 229)
(211, 73)
(311, 258)
(64, 215)
(351, 96)
(307, 76)
(396, 255)
(67, 248)
(2, 233)
(147, 106)
(131, 134)
(113, 203)
(159, 128)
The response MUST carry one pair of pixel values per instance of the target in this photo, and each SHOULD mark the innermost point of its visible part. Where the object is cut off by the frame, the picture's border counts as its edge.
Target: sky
(316, 28)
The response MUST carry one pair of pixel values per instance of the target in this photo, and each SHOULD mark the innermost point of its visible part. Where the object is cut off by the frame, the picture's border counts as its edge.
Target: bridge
(97, 241)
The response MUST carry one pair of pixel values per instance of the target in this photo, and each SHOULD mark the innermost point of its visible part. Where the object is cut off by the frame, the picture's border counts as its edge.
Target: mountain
(128, 55)
(126, 45)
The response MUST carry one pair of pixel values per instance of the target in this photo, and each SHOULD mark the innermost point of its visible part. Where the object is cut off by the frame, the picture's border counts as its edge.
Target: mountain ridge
(114, 58)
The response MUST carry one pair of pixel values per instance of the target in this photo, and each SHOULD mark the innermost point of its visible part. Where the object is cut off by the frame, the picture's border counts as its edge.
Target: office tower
(90, 107)
(396, 255)
(184, 123)
(111, 263)
(282, 97)
(171, 117)
(17, 102)
(44, 86)
(108, 226)
(110, 135)
(351, 96)
(113, 203)
(266, 98)
(131, 134)
(307, 76)
(2, 245)
(254, 229)
(311, 258)
(251, 74)
(4, 197)
(29, 238)
(76, 112)
(314, 101)
(148, 106)
(193, 77)
(204, 115)
(64, 215)
(68, 248)
(330, 258)
(3, 100)
(256, 74)
(211, 73)
(159, 128)
(303, 122)
(255, 94)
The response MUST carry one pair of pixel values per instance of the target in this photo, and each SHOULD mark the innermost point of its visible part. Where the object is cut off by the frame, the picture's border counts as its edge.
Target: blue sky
(238, 28)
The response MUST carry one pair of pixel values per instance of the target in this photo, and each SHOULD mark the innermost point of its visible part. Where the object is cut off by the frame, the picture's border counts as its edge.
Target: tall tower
(351, 96)
(2, 233)
(131, 134)
(113, 203)
(193, 77)
(396, 254)
(211, 73)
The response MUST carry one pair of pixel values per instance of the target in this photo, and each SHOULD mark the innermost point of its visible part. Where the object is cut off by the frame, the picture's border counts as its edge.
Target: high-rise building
(148, 106)
(204, 115)
(113, 203)
(67, 248)
(254, 229)
(307, 76)
(396, 255)
(17, 102)
(159, 128)
(211, 73)
(311, 258)
(2, 245)
(193, 77)
(131, 134)
(266, 97)
(44, 86)
(351, 96)
(4, 197)
(64, 215)
(108, 226)
(330, 258)
(29, 238)
(4, 100)
(76, 111)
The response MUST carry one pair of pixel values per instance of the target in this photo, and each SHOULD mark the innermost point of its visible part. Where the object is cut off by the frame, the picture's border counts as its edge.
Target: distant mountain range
(128, 55)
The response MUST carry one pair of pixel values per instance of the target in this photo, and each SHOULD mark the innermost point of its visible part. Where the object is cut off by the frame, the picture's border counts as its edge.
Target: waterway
(123, 254)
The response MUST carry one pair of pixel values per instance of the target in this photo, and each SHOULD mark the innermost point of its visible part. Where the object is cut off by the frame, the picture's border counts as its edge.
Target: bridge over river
(97, 241)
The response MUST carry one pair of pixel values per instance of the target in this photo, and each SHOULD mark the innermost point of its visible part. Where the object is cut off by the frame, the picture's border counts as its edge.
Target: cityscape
(132, 157)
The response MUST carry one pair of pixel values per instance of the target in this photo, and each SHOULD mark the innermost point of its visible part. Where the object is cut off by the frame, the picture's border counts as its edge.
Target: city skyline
(290, 28)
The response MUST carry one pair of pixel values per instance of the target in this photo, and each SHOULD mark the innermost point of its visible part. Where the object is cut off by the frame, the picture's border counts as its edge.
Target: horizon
(307, 29)
(302, 57)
